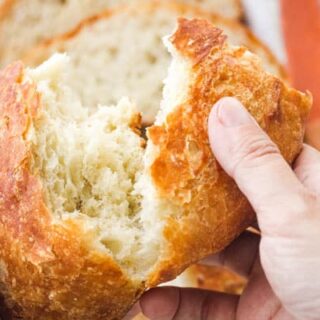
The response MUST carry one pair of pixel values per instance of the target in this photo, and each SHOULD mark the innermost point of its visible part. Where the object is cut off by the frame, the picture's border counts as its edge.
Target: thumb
(249, 156)
(288, 214)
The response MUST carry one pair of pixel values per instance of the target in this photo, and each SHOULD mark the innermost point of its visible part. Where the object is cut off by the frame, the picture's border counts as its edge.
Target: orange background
(301, 27)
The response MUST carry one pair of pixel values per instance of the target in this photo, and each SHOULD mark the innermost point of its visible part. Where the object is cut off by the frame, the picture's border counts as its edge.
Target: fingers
(133, 312)
(254, 161)
(168, 303)
(240, 256)
(288, 214)
(258, 301)
(160, 303)
(307, 169)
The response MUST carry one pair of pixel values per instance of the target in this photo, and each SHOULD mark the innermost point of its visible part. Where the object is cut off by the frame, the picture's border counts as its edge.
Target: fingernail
(231, 113)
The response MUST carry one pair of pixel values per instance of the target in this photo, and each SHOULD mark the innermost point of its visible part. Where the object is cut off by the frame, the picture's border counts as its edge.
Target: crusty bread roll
(128, 44)
(89, 216)
(24, 23)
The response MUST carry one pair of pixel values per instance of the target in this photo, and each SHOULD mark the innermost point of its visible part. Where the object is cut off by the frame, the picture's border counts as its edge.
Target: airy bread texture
(24, 23)
(94, 177)
(123, 51)
(89, 216)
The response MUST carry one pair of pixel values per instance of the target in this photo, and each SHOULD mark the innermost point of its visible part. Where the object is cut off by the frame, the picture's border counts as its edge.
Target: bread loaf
(24, 23)
(90, 217)
(120, 53)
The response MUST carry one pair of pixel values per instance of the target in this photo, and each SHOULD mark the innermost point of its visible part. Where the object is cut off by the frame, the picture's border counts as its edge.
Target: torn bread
(90, 217)
(24, 23)
(120, 53)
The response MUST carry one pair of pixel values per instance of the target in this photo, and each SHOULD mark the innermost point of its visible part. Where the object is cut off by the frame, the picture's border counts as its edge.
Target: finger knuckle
(312, 205)
(302, 205)
(253, 151)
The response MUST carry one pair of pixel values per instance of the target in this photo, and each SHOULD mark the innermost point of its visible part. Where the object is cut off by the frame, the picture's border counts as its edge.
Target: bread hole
(159, 89)
(224, 76)
(5, 122)
(195, 154)
(56, 186)
(114, 245)
(158, 39)
(75, 169)
(91, 210)
(193, 148)
(151, 58)
(113, 51)
(71, 206)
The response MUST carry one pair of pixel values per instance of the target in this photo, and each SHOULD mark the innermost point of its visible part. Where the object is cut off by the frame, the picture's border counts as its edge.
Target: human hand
(283, 265)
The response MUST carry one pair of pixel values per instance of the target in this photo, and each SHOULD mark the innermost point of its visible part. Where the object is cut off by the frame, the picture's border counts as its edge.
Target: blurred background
(116, 47)
(291, 29)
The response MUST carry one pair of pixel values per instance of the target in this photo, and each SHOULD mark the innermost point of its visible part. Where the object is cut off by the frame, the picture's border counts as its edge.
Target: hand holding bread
(90, 216)
(280, 263)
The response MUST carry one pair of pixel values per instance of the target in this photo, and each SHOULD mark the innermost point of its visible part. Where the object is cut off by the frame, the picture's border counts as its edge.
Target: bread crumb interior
(90, 165)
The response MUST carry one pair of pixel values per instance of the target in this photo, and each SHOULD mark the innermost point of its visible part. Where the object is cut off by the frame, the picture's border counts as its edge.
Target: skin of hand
(283, 264)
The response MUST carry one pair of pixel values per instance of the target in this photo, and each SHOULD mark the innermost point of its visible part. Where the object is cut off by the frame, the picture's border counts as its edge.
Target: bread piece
(214, 278)
(65, 211)
(24, 23)
(120, 53)
(89, 219)
(205, 69)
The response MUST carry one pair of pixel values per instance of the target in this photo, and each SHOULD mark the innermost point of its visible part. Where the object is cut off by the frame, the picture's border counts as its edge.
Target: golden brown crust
(255, 45)
(216, 278)
(42, 51)
(34, 252)
(184, 169)
(200, 44)
(47, 269)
